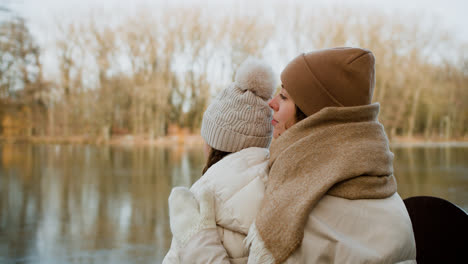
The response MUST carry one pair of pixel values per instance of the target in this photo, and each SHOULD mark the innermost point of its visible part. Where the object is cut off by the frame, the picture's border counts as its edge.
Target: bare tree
(155, 69)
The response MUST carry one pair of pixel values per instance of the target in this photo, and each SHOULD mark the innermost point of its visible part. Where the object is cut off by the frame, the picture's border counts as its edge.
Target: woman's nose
(273, 104)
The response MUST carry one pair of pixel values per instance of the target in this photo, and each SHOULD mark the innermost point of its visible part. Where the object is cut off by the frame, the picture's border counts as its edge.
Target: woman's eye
(282, 97)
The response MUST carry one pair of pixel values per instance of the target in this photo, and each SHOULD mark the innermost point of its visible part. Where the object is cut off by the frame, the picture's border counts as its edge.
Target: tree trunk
(414, 108)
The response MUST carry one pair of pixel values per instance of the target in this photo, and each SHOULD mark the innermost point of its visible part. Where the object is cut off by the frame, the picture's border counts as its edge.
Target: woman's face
(284, 112)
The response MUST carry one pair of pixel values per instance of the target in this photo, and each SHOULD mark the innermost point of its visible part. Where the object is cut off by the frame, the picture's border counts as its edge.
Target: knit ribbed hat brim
(227, 140)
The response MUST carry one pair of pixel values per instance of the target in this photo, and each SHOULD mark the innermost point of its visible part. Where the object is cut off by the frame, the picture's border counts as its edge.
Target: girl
(237, 129)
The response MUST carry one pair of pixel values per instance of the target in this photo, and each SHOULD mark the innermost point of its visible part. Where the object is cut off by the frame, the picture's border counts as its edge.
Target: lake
(103, 204)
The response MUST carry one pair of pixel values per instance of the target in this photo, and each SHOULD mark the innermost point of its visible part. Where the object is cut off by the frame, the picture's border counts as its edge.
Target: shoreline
(126, 141)
(398, 142)
(195, 139)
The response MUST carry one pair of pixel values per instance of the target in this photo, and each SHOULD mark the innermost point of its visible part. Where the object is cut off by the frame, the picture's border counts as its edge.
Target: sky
(451, 13)
(43, 14)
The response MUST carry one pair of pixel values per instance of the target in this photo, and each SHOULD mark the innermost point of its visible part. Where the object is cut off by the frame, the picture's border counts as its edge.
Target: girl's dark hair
(214, 156)
(299, 114)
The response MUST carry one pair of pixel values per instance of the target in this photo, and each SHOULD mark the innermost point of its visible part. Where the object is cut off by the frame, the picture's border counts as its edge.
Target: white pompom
(256, 76)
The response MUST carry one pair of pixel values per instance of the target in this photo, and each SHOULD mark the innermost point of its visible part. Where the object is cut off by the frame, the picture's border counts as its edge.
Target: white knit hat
(239, 117)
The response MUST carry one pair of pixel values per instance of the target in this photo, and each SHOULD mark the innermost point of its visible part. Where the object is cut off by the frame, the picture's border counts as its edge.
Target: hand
(188, 216)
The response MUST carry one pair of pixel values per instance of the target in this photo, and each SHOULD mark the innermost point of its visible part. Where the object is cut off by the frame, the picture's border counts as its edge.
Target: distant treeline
(148, 71)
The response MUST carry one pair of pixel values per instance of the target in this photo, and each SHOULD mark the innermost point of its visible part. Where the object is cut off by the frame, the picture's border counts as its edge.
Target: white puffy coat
(238, 184)
(337, 231)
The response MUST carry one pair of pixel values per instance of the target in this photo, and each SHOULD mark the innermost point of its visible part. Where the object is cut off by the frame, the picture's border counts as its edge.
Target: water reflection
(63, 204)
(86, 204)
(435, 171)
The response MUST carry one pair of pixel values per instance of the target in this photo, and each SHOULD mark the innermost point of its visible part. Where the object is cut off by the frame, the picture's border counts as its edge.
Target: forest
(143, 74)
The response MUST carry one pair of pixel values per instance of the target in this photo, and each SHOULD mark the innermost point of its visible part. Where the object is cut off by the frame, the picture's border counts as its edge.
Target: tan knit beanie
(239, 117)
(330, 77)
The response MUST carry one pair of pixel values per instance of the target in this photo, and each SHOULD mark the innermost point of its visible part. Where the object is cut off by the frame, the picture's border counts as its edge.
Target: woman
(331, 194)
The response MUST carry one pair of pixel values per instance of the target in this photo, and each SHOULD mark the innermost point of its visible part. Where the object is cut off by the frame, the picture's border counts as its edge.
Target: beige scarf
(340, 151)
